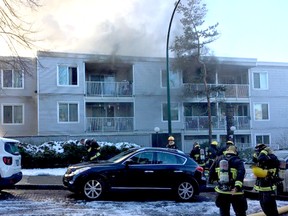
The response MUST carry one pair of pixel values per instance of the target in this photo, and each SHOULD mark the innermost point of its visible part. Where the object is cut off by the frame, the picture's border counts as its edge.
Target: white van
(10, 163)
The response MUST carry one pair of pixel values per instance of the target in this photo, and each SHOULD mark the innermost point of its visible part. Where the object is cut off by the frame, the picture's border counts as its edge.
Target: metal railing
(230, 90)
(109, 124)
(201, 123)
(108, 89)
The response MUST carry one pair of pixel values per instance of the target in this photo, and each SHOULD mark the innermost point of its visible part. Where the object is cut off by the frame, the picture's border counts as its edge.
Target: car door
(138, 172)
(169, 169)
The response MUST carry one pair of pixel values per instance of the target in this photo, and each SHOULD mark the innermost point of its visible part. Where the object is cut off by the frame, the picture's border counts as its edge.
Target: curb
(40, 187)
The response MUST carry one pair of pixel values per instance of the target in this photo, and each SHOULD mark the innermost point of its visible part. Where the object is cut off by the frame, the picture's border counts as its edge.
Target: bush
(62, 154)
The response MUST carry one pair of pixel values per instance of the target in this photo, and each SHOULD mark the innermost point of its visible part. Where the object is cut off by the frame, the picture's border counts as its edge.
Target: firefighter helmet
(231, 149)
(260, 147)
(171, 138)
(229, 142)
(259, 172)
(214, 143)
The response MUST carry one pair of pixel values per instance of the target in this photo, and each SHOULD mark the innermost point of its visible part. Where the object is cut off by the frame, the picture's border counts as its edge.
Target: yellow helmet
(229, 142)
(214, 143)
(259, 172)
(171, 138)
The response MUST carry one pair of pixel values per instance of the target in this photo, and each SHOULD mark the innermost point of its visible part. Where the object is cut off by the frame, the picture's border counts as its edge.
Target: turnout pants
(238, 202)
(268, 203)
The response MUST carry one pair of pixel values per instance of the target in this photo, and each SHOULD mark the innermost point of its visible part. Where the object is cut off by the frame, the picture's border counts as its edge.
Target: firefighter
(212, 153)
(266, 170)
(228, 171)
(198, 154)
(224, 148)
(171, 143)
(93, 151)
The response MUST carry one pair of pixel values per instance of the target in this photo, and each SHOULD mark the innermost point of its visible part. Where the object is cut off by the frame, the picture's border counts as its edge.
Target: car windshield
(122, 155)
(12, 148)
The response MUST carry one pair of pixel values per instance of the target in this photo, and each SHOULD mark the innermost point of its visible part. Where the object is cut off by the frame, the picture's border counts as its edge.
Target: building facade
(122, 98)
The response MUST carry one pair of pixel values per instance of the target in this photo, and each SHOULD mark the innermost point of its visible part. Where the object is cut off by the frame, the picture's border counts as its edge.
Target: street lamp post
(232, 129)
(167, 71)
(157, 129)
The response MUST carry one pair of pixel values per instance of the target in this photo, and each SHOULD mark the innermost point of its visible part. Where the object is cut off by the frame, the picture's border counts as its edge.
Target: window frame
(13, 71)
(67, 103)
(162, 111)
(163, 79)
(68, 84)
(253, 80)
(13, 114)
(254, 111)
(262, 138)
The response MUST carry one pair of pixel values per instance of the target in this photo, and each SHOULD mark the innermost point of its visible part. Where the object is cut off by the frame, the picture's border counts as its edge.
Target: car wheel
(93, 189)
(185, 191)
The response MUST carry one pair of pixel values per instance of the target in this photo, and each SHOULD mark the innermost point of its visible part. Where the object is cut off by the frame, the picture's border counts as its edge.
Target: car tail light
(7, 160)
(200, 169)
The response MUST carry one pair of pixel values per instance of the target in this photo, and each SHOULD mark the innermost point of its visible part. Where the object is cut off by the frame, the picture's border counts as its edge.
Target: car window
(143, 158)
(166, 158)
(12, 148)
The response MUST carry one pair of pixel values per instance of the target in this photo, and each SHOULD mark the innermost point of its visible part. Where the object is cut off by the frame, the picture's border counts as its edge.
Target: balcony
(109, 124)
(199, 123)
(231, 90)
(108, 89)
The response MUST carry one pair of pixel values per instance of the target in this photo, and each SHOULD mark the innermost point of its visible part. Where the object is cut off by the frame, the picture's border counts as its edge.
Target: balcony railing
(109, 124)
(108, 89)
(201, 123)
(231, 90)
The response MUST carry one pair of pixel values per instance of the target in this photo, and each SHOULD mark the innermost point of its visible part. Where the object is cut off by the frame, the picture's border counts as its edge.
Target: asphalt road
(62, 202)
(65, 195)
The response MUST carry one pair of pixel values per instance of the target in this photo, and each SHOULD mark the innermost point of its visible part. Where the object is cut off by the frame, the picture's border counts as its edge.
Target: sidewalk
(48, 182)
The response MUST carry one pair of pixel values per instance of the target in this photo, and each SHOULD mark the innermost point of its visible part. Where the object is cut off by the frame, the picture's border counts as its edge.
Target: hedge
(62, 154)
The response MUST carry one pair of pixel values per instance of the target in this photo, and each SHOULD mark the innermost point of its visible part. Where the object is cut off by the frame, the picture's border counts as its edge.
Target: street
(63, 202)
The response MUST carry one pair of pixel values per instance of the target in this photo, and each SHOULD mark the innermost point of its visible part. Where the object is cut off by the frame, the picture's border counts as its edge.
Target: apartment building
(18, 97)
(124, 98)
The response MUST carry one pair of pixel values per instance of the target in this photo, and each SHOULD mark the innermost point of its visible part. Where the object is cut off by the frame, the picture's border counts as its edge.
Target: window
(174, 112)
(12, 79)
(12, 114)
(12, 148)
(166, 158)
(143, 158)
(265, 139)
(261, 112)
(260, 81)
(174, 77)
(68, 112)
(67, 75)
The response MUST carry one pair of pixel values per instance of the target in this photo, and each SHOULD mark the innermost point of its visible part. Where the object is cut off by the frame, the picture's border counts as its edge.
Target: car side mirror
(129, 162)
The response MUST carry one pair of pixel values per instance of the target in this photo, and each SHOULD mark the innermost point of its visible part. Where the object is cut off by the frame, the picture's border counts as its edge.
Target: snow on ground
(107, 208)
(37, 172)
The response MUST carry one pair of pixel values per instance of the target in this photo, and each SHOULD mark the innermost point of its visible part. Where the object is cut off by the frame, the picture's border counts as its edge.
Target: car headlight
(77, 171)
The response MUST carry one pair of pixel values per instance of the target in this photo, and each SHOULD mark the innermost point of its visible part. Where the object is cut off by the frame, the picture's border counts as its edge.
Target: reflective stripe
(233, 171)
(227, 192)
(95, 156)
(264, 152)
(258, 188)
(238, 183)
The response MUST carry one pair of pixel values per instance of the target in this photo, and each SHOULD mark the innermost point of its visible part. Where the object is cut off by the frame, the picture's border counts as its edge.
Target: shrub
(62, 154)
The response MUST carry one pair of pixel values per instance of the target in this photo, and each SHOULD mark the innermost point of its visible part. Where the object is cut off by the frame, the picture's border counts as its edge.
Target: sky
(248, 28)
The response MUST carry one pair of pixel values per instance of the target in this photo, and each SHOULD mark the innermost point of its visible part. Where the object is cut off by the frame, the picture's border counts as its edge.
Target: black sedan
(138, 169)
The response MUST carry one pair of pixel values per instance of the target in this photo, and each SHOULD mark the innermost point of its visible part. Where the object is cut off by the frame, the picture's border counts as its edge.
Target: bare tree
(15, 31)
(191, 45)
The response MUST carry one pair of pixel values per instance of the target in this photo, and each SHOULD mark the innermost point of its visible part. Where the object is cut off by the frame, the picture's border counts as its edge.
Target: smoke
(126, 27)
